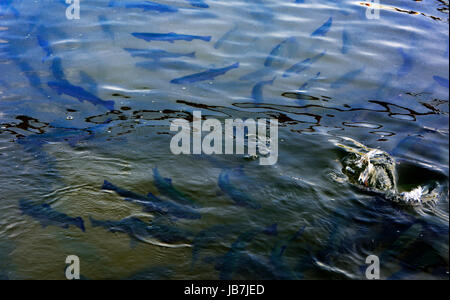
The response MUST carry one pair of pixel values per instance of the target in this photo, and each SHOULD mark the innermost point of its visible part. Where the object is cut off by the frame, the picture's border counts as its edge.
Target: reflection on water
(85, 110)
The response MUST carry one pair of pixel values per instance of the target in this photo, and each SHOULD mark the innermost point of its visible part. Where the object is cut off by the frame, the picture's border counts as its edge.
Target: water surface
(383, 82)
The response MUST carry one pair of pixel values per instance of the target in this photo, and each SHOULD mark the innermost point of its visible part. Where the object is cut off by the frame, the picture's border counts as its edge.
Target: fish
(345, 42)
(198, 3)
(323, 30)
(231, 260)
(303, 65)
(157, 55)
(275, 55)
(88, 82)
(44, 44)
(210, 74)
(153, 204)
(145, 5)
(346, 78)
(65, 87)
(5, 6)
(48, 216)
(309, 82)
(57, 69)
(235, 257)
(407, 65)
(166, 207)
(257, 91)
(169, 37)
(441, 81)
(281, 270)
(140, 230)
(236, 194)
(165, 187)
(225, 37)
(27, 70)
(104, 23)
(208, 236)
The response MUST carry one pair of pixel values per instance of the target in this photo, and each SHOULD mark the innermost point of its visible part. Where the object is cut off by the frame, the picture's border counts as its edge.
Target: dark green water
(382, 82)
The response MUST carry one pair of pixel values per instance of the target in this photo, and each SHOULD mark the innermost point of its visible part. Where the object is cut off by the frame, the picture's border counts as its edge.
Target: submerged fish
(257, 91)
(145, 5)
(209, 236)
(65, 87)
(198, 3)
(57, 69)
(276, 56)
(153, 204)
(48, 216)
(303, 65)
(6, 6)
(46, 47)
(407, 63)
(157, 54)
(169, 37)
(323, 30)
(27, 70)
(206, 75)
(104, 23)
(238, 195)
(165, 187)
(346, 78)
(141, 230)
(281, 270)
(235, 257)
(309, 82)
(345, 42)
(88, 82)
(225, 37)
(441, 81)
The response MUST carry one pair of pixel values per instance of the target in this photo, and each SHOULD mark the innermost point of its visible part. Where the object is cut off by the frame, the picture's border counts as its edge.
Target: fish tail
(108, 186)
(79, 222)
(109, 104)
(192, 54)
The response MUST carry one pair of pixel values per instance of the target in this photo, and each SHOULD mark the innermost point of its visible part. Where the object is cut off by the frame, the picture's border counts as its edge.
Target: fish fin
(79, 222)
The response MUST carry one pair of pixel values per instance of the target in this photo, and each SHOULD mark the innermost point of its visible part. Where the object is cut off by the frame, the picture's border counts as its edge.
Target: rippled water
(382, 82)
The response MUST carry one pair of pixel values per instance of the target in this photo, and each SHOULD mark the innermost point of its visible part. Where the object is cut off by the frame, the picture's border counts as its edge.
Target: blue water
(84, 101)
